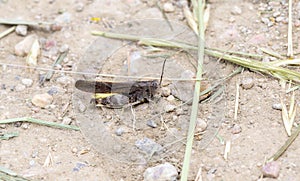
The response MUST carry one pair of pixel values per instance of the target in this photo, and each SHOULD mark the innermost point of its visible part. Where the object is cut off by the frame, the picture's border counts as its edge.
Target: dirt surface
(258, 132)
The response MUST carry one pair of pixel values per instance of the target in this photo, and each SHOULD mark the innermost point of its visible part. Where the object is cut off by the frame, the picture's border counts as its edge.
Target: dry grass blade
(227, 149)
(288, 117)
(22, 22)
(285, 118)
(48, 161)
(9, 175)
(41, 122)
(285, 62)
(236, 105)
(31, 59)
(196, 97)
(206, 16)
(264, 67)
(8, 31)
(284, 147)
(272, 53)
(199, 175)
(190, 19)
(290, 52)
(8, 136)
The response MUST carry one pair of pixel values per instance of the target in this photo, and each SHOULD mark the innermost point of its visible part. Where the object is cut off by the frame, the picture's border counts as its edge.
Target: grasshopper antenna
(162, 72)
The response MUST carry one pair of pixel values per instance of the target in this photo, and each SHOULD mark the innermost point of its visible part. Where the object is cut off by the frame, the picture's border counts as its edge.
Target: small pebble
(81, 107)
(64, 48)
(20, 87)
(74, 150)
(21, 30)
(236, 129)
(151, 123)
(24, 46)
(66, 121)
(51, 107)
(25, 126)
(119, 131)
(165, 91)
(276, 14)
(277, 106)
(170, 98)
(53, 91)
(27, 82)
(271, 169)
(170, 108)
(117, 148)
(79, 7)
(201, 125)
(55, 27)
(160, 172)
(168, 8)
(42, 100)
(65, 80)
(148, 146)
(236, 10)
(32, 163)
(174, 118)
(247, 83)
(34, 154)
(266, 59)
(279, 19)
(265, 20)
(231, 19)
(179, 112)
(274, 4)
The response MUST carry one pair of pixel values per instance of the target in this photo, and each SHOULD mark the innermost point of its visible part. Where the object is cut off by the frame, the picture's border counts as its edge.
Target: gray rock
(271, 169)
(119, 131)
(165, 91)
(170, 98)
(25, 126)
(236, 129)
(247, 83)
(276, 14)
(183, 90)
(151, 123)
(81, 107)
(277, 106)
(20, 87)
(265, 20)
(179, 112)
(27, 82)
(169, 108)
(162, 172)
(236, 10)
(42, 100)
(64, 48)
(21, 30)
(148, 146)
(201, 125)
(168, 7)
(279, 19)
(66, 121)
(24, 46)
(65, 80)
(79, 7)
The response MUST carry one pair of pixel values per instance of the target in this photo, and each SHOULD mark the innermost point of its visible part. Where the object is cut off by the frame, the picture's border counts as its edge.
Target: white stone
(42, 100)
